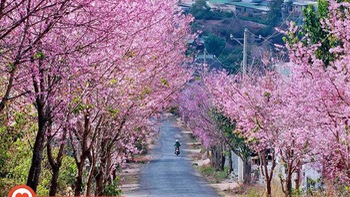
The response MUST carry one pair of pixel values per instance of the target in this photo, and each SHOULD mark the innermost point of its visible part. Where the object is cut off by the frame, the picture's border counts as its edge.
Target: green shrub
(113, 188)
(212, 175)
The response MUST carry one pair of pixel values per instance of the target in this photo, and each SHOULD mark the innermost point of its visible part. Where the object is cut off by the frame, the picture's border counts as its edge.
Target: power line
(265, 39)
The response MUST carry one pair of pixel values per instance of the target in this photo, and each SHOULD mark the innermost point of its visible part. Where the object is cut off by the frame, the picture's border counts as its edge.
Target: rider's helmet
(177, 140)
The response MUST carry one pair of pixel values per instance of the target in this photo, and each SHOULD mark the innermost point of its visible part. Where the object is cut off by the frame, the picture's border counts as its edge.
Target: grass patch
(211, 175)
(248, 191)
(256, 190)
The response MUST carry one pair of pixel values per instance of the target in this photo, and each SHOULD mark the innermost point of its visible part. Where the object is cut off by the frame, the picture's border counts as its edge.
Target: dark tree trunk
(213, 161)
(91, 175)
(268, 189)
(267, 173)
(223, 159)
(230, 163)
(287, 182)
(288, 191)
(297, 179)
(55, 165)
(79, 180)
(247, 170)
(99, 177)
(99, 184)
(289, 188)
(102, 177)
(54, 181)
(217, 158)
(85, 152)
(5, 97)
(35, 168)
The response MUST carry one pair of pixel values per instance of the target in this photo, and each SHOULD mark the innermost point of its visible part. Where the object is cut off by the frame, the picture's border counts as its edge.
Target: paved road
(170, 175)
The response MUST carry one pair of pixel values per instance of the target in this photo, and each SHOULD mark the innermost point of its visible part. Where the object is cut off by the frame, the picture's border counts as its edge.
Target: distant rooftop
(221, 1)
(251, 5)
(304, 3)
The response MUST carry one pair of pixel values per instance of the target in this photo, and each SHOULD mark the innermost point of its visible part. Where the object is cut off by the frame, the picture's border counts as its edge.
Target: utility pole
(244, 69)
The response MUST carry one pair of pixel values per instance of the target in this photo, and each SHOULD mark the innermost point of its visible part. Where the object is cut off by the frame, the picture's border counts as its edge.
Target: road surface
(170, 175)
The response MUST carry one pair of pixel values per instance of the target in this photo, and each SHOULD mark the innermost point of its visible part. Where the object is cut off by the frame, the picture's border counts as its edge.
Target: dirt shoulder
(130, 175)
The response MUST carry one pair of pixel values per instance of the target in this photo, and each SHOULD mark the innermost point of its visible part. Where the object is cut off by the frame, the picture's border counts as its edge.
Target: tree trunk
(266, 172)
(213, 160)
(80, 159)
(102, 177)
(79, 180)
(268, 189)
(54, 181)
(99, 184)
(216, 158)
(11, 79)
(55, 174)
(297, 179)
(288, 191)
(55, 166)
(247, 170)
(223, 159)
(35, 168)
(91, 175)
(230, 162)
(101, 170)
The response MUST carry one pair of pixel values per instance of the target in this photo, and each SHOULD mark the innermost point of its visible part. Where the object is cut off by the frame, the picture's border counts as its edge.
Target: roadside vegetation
(212, 175)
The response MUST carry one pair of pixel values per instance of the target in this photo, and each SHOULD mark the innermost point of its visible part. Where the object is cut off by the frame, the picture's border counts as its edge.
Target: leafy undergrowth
(255, 190)
(211, 175)
(247, 191)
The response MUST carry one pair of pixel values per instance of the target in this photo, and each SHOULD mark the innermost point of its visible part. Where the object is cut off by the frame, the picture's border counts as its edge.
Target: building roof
(251, 5)
(304, 3)
(221, 1)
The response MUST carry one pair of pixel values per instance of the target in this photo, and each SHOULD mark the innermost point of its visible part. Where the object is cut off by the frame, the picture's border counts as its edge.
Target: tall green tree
(214, 44)
(316, 33)
(313, 30)
(200, 9)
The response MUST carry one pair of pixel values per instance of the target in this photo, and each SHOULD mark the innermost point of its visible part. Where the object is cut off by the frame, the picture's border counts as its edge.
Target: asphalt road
(168, 174)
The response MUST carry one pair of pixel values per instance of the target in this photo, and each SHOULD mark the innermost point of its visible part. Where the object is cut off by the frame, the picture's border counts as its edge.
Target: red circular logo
(21, 191)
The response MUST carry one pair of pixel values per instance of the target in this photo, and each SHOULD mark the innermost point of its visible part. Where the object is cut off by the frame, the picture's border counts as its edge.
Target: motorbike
(177, 151)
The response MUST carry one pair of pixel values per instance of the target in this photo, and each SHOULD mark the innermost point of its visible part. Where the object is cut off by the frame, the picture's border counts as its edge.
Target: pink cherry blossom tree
(261, 108)
(23, 25)
(197, 109)
(250, 104)
(137, 79)
(327, 99)
(296, 119)
(70, 52)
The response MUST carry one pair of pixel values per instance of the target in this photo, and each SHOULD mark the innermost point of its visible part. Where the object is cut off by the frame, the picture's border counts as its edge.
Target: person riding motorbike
(177, 146)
